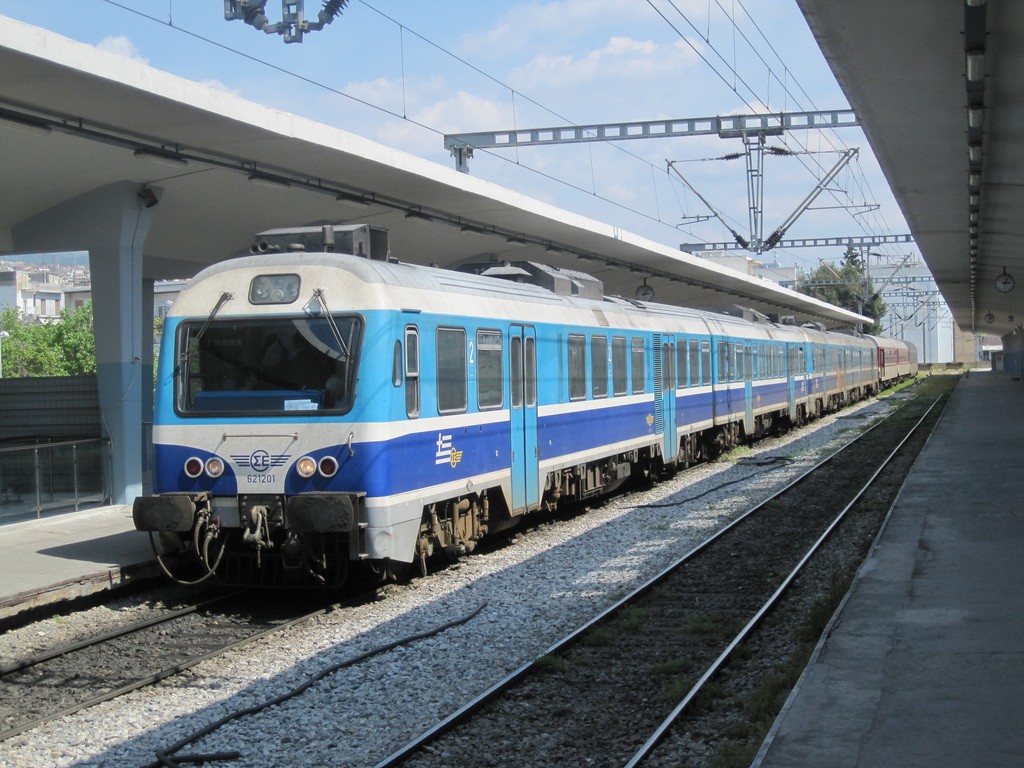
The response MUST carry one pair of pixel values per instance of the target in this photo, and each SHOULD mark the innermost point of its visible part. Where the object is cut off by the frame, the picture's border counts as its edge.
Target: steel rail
(467, 710)
(88, 642)
(156, 677)
(659, 733)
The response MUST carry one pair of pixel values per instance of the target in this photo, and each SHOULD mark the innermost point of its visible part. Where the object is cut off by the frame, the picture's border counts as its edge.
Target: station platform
(60, 557)
(923, 663)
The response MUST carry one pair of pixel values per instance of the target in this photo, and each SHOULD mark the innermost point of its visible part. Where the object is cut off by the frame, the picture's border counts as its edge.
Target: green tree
(846, 286)
(73, 336)
(64, 348)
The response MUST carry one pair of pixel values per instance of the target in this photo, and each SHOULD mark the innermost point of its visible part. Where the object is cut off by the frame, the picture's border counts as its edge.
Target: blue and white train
(318, 409)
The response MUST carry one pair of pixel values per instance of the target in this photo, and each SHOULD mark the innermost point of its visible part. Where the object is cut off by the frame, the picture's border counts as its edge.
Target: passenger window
(412, 372)
(577, 367)
(530, 371)
(599, 366)
(489, 378)
(637, 359)
(681, 363)
(619, 365)
(515, 367)
(668, 379)
(451, 370)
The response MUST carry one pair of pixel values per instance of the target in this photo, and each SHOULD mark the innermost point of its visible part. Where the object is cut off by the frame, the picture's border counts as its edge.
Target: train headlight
(306, 466)
(214, 467)
(274, 289)
(193, 467)
(328, 466)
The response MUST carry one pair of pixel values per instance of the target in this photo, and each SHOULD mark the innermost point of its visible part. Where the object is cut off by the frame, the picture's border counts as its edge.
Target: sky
(406, 72)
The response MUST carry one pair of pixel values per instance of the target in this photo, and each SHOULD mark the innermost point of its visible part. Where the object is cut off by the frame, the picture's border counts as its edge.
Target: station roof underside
(90, 116)
(903, 68)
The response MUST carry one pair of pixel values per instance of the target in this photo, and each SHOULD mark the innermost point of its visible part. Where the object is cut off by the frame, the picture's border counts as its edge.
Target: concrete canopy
(903, 67)
(74, 119)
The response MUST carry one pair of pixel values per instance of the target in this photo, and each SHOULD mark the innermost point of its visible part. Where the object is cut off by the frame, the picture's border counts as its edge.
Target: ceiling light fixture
(269, 181)
(974, 151)
(356, 201)
(975, 64)
(25, 124)
(975, 117)
(163, 158)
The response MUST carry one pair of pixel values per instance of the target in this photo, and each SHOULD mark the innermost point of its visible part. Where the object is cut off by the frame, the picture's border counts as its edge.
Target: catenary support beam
(461, 145)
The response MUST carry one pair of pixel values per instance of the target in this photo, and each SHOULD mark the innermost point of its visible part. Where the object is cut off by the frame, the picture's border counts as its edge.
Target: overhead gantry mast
(752, 129)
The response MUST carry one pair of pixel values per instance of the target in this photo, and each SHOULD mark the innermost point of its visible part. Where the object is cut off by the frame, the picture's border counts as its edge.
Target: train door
(665, 395)
(791, 384)
(523, 401)
(749, 361)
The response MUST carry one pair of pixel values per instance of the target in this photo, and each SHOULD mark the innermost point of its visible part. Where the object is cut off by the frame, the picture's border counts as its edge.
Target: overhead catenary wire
(748, 94)
(763, 100)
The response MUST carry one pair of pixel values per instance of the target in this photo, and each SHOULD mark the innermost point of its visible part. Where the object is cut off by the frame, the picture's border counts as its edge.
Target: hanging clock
(645, 292)
(1004, 282)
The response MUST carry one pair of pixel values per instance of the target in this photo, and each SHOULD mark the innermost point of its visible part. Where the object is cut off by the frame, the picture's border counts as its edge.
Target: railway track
(654, 680)
(70, 678)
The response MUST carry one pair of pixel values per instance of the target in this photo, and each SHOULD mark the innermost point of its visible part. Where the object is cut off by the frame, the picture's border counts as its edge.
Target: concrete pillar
(147, 379)
(111, 223)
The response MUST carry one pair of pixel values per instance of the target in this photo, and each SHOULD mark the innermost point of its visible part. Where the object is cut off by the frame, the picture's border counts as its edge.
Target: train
(324, 411)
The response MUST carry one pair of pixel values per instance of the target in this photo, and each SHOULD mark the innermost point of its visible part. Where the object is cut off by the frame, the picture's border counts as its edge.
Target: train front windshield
(267, 366)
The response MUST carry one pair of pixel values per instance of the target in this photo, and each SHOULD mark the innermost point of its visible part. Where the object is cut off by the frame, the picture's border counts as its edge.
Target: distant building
(35, 294)
(165, 292)
(731, 260)
(785, 276)
(40, 294)
(775, 273)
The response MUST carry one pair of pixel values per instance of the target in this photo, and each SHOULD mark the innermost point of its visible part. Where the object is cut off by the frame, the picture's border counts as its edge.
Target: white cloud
(562, 20)
(464, 112)
(383, 92)
(458, 113)
(122, 46)
(621, 59)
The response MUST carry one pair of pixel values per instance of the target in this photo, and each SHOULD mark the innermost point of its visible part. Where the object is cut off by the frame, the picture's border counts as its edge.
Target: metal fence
(54, 477)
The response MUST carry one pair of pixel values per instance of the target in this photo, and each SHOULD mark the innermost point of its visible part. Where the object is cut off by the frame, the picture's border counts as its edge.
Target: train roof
(389, 284)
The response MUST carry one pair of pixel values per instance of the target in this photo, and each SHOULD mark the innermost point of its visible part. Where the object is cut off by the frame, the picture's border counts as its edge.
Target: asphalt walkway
(69, 555)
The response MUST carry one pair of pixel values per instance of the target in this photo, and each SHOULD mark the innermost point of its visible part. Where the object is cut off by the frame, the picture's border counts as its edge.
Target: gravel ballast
(544, 584)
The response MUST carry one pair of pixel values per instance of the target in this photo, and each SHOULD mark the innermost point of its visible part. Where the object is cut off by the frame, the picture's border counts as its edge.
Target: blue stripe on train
(439, 456)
